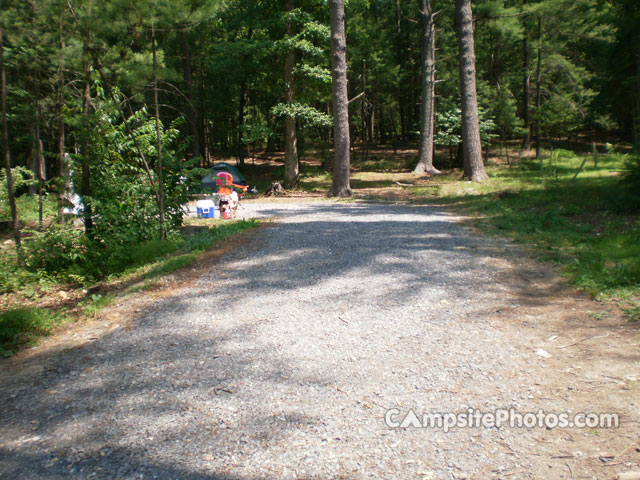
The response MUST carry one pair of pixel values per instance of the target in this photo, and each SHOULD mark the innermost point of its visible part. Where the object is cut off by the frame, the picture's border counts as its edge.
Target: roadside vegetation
(116, 114)
(60, 281)
(589, 223)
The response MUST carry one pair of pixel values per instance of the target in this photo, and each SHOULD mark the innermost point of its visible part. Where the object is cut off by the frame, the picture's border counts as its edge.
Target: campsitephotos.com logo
(472, 418)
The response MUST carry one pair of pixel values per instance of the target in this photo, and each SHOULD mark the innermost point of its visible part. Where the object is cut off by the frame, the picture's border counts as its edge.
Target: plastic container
(207, 209)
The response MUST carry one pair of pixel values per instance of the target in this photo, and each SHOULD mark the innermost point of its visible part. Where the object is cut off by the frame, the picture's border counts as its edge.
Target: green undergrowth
(140, 266)
(21, 327)
(590, 224)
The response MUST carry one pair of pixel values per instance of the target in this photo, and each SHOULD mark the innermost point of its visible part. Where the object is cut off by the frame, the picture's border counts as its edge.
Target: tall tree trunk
(243, 88)
(188, 81)
(5, 147)
(39, 160)
(425, 148)
(473, 165)
(363, 107)
(538, 96)
(401, 88)
(526, 88)
(163, 228)
(85, 189)
(291, 171)
(39, 163)
(62, 167)
(340, 186)
(637, 123)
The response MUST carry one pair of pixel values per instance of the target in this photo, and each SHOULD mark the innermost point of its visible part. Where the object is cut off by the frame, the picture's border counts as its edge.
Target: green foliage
(633, 166)
(591, 226)
(56, 249)
(305, 113)
(92, 305)
(22, 326)
(449, 126)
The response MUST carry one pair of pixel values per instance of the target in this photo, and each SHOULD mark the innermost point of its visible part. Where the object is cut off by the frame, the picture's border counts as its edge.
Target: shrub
(21, 326)
(55, 250)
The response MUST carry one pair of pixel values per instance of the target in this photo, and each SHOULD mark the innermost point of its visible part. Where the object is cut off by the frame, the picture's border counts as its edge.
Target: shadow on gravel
(84, 413)
(128, 465)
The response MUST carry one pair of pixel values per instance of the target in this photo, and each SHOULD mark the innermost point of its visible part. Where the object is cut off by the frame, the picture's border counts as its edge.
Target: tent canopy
(209, 180)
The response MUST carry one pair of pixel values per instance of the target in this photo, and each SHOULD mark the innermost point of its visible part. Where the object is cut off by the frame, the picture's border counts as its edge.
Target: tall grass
(589, 223)
(23, 326)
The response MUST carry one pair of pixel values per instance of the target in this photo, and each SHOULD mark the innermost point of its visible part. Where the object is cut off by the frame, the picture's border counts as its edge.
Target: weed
(95, 303)
(22, 326)
(591, 225)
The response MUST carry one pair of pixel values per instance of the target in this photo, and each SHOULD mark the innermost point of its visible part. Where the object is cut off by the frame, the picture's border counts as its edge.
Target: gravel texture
(282, 361)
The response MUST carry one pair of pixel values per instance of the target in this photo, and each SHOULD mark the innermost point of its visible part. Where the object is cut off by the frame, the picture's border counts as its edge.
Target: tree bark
(85, 189)
(526, 89)
(62, 167)
(637, 126)
(341, 186)
(39, 160)
(243, 88)
(363, 107)
(425, 148)
(473, 165)
(291, 171)
(401, 88)
(538, 95)
(163, 229)
(7, 155)
(196, 150)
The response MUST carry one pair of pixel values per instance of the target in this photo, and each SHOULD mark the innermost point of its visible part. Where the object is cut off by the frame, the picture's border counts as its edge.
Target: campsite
(300, 239)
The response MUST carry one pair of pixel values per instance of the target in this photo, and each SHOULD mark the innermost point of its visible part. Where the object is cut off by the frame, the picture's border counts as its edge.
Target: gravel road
(282, 362)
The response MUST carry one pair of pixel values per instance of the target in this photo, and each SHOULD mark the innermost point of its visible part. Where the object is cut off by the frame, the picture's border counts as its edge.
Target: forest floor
(280, 356)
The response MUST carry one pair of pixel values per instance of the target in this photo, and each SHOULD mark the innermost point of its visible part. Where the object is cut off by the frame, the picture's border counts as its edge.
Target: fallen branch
(583, 340)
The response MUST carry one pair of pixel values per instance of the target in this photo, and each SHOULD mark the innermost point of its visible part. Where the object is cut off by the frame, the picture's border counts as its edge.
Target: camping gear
(229, 197)
(210, 183)
(207, 209)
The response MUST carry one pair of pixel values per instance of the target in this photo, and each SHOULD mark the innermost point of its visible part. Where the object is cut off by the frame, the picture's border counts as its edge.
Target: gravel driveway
(283, 361)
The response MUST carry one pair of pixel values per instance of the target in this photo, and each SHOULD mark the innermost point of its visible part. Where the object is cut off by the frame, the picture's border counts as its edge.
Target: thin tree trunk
(363, 106)
(372, 118)
(473, 165)
(538, 96)
(526, 89)
(243, 87)
(291, 170)
(163, 229)
(637, 126)
(40, 164)
(62, 168)
(85, 189)
(425, 148)
(401, 88)
(341, 186)
(196, 150)
(39, 160)
(7, 155)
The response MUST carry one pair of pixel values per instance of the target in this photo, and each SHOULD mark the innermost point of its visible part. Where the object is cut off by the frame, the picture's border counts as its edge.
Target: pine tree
(473, 165)
(341, 165)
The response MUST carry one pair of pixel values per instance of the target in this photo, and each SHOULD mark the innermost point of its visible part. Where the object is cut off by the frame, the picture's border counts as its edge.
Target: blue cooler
(206, 209)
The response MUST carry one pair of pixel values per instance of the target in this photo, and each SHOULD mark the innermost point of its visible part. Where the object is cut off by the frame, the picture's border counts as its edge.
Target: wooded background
(115, 94)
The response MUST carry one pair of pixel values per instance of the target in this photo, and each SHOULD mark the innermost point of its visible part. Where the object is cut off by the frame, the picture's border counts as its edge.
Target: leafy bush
(633, 164)
(55, 250)
(21, 326)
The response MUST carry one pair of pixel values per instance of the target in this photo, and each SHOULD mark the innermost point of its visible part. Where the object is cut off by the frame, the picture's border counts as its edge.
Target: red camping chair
(228, 201)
